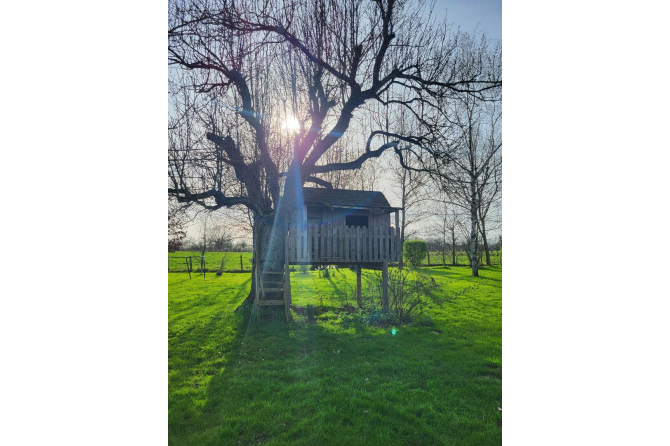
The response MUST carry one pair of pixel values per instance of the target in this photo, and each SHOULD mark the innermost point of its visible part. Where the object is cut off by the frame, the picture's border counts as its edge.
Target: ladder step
(273, 289)
(274, 282)
(271, 302)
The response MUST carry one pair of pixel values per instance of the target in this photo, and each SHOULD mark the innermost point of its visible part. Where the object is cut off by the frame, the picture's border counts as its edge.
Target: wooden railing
(343, 244)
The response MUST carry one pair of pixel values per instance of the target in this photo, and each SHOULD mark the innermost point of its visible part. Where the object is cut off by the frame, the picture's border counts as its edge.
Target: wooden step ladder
(272, 284)
(272, 290)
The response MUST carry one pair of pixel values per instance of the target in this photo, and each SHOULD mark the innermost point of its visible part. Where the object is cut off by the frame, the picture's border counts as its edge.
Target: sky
(480, 16)
(483, 15)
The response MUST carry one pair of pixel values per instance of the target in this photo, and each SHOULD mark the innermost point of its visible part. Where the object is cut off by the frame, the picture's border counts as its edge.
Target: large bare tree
(471, 164)
(268, 95)
(411, 186)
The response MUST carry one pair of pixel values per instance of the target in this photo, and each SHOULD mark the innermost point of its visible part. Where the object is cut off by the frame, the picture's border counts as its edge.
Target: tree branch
(320, 182)
(356, 164)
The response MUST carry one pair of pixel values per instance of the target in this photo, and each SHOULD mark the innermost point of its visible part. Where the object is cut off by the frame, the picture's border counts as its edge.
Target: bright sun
(291, 124)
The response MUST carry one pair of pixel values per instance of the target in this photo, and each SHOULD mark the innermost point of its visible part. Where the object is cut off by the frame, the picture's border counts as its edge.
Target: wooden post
(310, 242)
(385, 286)
(358, 286)
(373, 251)
(322, 248)
(345, 253)
(394, 246)
(331, 242)
(304, 233)
(340, 242)
(397, 236)
(241, 264)
(358, 244)
(299, 245)
(287, 275)
(256, 275)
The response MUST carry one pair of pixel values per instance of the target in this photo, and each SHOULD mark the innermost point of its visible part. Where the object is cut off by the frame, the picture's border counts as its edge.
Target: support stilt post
(287, 274)
(358, 286)
(256, 267)
(398, 253)
(385, 287)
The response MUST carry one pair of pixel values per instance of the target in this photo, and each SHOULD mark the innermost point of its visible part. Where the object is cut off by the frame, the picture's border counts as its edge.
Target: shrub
(311, 313)
(414, 251)
(408, 291)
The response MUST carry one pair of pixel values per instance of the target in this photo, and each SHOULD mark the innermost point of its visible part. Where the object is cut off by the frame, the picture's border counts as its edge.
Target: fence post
(358, 286)
(385, 287)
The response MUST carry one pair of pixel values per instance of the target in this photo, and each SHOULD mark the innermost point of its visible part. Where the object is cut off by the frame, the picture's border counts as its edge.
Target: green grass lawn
(212, 261)
(337, 380)
(461, 258)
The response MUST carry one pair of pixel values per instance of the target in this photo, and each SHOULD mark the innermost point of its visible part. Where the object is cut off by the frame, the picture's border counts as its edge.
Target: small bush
(311, 313)
(407, 293)
(303, 269)
(414, 251)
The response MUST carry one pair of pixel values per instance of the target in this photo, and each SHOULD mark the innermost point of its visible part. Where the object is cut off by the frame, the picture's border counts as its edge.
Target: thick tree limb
(184, 196)
(356, 164)
(320, 182)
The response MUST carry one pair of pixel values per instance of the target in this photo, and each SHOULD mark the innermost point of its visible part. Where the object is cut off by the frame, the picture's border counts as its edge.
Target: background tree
(414, 252)
(219, 238)
(470, 165)
(177, 223)
(449, 220)
(411, 187)
(263, 93)
(176, 234)
(489, 187)
(205, 221)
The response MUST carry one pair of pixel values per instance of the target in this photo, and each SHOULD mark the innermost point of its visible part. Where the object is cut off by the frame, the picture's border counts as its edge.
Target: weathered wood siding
(337, 243)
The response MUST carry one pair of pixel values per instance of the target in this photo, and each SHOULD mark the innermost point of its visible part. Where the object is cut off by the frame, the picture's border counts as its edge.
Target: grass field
(335, 380)
(212, 261)
(461, 258)
(232, 260)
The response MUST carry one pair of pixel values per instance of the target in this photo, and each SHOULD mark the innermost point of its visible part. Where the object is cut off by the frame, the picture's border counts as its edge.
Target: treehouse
(335, 227)
(346, 227)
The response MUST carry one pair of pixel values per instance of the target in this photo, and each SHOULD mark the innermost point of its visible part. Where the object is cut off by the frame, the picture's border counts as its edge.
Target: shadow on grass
(304, 383)
(335, 382)
(464, 273)
(188, 306)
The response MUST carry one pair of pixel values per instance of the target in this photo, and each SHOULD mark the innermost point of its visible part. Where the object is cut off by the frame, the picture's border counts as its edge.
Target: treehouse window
(357, 220)
(313, 216)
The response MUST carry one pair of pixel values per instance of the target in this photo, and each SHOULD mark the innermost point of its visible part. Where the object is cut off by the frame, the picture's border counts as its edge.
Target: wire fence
(437, 258)
(193, 262)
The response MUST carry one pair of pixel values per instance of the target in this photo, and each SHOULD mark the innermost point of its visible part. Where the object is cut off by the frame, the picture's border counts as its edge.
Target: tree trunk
(453, 246)
(473, 227)
(402, 237)
(486, 244)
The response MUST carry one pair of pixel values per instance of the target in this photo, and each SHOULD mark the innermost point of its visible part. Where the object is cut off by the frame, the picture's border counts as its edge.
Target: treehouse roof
(344, 198)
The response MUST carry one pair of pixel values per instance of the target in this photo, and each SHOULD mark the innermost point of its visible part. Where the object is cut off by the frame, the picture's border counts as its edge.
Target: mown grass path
(335, 381)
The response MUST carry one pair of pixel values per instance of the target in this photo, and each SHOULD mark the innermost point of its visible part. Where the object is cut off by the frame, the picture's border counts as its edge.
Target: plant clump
(414, 251)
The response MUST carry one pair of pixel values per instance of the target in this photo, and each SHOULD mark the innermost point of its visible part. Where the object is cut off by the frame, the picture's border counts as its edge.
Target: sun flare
(291, 124)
